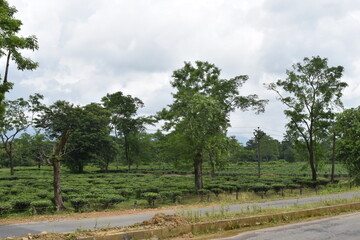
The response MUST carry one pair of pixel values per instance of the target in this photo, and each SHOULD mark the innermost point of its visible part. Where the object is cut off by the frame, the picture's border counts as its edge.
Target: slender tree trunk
(11, 159)
(212, 164)
(333, 158)
(7, 67)
(127, 153)
(312, 160)
(198, 171)
(56, 162)
(259, 159)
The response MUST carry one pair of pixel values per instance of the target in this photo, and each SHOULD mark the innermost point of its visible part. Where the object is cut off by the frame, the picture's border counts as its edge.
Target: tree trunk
(127, 153)
(57, 185)
(312, 161)
(259, 158)
(212, 164)
(11, 159)
(333, 158)
(7, 67)
(198, 171)
(56, 159)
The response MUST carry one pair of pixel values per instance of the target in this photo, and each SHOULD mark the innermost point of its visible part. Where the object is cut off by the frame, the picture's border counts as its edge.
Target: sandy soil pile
(163, 220)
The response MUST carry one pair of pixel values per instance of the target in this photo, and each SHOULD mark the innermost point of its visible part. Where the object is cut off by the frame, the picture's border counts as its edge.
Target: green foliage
(109, 200)
(40, 206)
(313, 91)
(5, 208)
(89, 141)
(79, 204)
(348, 143)
(201, 108)
(21, 203)
(11, 46)
(124, 122)
(151, 197)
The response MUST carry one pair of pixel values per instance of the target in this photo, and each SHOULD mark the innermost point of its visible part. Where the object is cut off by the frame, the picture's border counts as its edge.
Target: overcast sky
(89, 48)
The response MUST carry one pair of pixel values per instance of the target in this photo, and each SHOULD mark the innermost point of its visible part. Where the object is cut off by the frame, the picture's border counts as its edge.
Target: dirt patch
(163, 220)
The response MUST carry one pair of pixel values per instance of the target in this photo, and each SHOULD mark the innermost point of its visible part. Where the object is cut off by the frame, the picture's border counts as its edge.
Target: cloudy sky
(89, 48)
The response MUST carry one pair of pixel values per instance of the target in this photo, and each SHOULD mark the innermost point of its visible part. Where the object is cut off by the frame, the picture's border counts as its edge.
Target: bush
(216, 191)
(126, 193)
(79, 204)
(5, 208)
(40, 206)
(42, 194)
(278, 187)
(151, 197)
(110, 200)
(260, 188)
(21, 204)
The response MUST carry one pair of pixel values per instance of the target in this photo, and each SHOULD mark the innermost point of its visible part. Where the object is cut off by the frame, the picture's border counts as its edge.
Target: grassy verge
(223, 224)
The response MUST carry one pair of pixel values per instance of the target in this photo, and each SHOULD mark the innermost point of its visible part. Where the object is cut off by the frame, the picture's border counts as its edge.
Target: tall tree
(258, 135)
(313, 91)
(32, 149)
(18, 117)
(58, 120)
(10, 47)
(89, 138)
(124, 120)
(348, 143)
(201, 108)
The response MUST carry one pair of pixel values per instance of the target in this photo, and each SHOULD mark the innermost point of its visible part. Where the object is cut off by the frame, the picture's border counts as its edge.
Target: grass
(224, 213)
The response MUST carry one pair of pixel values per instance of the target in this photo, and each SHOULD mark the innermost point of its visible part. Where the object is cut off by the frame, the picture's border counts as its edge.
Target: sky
(88, 48)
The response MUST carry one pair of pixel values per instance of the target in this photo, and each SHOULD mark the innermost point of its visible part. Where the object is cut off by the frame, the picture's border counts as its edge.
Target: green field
(30, 190)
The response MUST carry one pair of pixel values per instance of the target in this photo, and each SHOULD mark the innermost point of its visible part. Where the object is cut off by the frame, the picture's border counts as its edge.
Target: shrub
(126, 192)
(173, 195)
(5, 208)
(110, 200)
(42, 194)
(151, 197)
(40, 206)
(21, 204)
(79, 204)
(216, 191)
(260, 188)
(278, 187)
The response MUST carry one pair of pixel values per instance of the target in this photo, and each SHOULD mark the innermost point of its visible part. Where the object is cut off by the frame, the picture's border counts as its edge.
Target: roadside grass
(226, 214)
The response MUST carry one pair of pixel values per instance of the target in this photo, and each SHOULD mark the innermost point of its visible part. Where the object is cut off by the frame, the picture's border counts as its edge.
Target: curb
(223, 225)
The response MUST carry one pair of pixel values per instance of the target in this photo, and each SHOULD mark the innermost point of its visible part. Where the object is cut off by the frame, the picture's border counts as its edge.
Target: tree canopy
(11, 45)
(348, 143)
(201, 108)
(313, 91)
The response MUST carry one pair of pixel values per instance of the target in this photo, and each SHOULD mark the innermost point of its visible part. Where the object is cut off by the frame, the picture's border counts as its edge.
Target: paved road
(61, 226)
(345, 227)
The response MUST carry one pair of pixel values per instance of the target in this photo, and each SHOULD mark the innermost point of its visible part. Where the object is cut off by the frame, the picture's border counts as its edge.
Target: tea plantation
(30, 190)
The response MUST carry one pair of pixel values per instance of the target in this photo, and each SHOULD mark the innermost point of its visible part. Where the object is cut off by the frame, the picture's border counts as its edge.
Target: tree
(314, 91)
(11, 46)
(348, 143)
(216, 152)
(58, 120)
(124, 122)
(32, 149)
(18, 117)
(258, 135)
(201, 108)
(89, 135)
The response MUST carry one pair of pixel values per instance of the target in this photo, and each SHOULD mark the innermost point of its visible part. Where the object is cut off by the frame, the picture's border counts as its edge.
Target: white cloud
(89, 48)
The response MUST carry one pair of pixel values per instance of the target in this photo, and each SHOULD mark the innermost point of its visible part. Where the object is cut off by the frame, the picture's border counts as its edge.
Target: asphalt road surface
(61, 226)
(345, 227)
